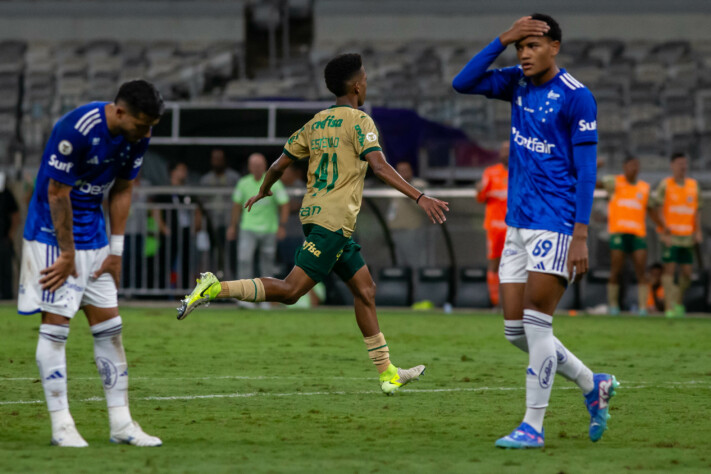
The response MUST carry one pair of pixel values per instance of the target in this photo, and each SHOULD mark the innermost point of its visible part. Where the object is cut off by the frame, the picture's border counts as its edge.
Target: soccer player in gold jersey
(340, 143)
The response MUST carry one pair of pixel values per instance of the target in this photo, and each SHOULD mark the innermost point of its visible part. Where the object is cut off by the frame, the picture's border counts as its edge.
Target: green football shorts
(676, 254)
(628, 243)
(324, 251)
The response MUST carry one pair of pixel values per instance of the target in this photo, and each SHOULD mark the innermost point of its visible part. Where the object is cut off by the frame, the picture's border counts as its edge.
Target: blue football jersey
(547, 121)
(82, 153)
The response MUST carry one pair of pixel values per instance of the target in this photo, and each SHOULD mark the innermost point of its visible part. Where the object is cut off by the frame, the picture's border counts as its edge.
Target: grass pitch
(290, 391)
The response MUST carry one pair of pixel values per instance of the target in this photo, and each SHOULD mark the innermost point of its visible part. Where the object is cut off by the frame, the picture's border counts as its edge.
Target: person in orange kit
(493, 191)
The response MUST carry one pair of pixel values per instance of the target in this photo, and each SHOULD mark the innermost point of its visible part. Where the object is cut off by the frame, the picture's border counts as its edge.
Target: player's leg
(669, 259)
(56, 310)
(617, 260)
(639, 260)
(52, 364)
(685, 274)
(351, 268)
(100, 305)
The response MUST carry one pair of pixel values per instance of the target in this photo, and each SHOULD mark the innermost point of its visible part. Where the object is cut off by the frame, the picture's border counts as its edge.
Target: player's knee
(292, 296)
(366, 293)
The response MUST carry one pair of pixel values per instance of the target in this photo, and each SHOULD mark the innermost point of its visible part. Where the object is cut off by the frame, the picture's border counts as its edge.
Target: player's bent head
(139, 107)
(345, 75)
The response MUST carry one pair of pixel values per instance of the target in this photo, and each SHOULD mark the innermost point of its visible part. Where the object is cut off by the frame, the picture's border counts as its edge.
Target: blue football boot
(598, 403)
(521, 438)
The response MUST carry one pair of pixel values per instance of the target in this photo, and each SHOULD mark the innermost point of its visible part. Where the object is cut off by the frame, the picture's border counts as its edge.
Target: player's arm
(698, 233)
(120, 197)
(657, 201)
(474, 77)
(60, 208)
(585, 161)
(481, 187)
(272, 176)
(382, 169)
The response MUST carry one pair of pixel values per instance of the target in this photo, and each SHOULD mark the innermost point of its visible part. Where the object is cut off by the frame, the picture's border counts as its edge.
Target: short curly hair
(340, 70)
(554, 32)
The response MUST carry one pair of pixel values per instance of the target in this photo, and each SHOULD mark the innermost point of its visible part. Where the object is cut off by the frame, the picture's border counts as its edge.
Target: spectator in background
(493, 191)
(680, 200)
(9, 224)
(218, 213)
(136, 228)
(626, 218)
(263, 225)
(175, 226)
(405, 219)
(655, 299)
(292, 179)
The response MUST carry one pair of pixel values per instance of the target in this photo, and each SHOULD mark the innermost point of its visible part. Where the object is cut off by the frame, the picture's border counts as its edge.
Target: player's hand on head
(577, 259)
(434, 208)
(110, 265)
(54, 276)
(522, 28)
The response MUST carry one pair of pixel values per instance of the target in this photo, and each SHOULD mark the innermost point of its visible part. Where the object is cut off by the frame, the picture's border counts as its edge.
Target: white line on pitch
(691, 384)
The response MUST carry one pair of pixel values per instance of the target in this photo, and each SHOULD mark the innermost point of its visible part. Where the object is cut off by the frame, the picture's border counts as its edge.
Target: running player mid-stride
(552, 171)
(339, 142)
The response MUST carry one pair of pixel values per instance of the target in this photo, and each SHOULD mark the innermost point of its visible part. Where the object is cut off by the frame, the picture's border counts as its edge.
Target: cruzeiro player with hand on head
(339, 142)
(552, 171)
(67, 261)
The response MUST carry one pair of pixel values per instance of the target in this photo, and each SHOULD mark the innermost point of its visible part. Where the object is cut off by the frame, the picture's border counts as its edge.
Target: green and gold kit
(336, 142)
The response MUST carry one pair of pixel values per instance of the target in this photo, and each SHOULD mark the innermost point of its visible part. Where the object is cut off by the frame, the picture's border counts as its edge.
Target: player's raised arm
(60, 207)
(272, 176)
(433, 207)
(474, 77)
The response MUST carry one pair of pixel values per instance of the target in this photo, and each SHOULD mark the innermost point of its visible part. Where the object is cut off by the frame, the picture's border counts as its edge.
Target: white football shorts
(528, 250)
(75, 293)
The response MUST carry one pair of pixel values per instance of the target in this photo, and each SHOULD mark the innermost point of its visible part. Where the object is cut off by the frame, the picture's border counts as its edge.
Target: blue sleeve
(582, 117)
(496, 83)
(133, 166)
(64, 151)
(585, 158)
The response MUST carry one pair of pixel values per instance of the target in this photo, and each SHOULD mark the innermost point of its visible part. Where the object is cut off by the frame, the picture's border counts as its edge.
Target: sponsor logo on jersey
(94, 161)
(309, 211)
(138, 162)
(311, 248)
(584, 126)
(65, 148)
(371, 137)
(361, 135)
(553, 96)
(630, 203)
(93, 189)
(328, 122)
(532, 144)
(60, 165)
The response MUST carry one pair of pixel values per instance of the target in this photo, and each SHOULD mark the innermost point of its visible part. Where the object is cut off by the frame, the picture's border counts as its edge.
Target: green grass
(300, 395)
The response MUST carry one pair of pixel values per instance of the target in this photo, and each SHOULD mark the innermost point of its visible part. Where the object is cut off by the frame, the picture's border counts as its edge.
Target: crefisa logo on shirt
(93, 189)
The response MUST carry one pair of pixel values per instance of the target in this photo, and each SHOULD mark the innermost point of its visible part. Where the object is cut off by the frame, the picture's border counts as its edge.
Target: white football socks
(569, 366)
(542, 363)
(52, 364)
(111, 363)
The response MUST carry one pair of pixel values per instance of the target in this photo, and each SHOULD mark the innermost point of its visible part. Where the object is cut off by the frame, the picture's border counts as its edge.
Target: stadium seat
(433, 285)
(593, 288)
(394, 287)
(472, 290)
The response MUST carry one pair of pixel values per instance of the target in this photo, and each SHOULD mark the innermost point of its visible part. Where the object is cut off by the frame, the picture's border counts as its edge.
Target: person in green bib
(260, 228)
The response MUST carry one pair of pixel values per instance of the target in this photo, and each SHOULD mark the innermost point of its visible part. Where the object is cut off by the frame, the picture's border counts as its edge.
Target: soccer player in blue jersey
(67, 261)
(552, 171)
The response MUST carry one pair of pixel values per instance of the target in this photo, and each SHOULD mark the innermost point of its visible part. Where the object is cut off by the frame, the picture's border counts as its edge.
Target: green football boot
(206, 290)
